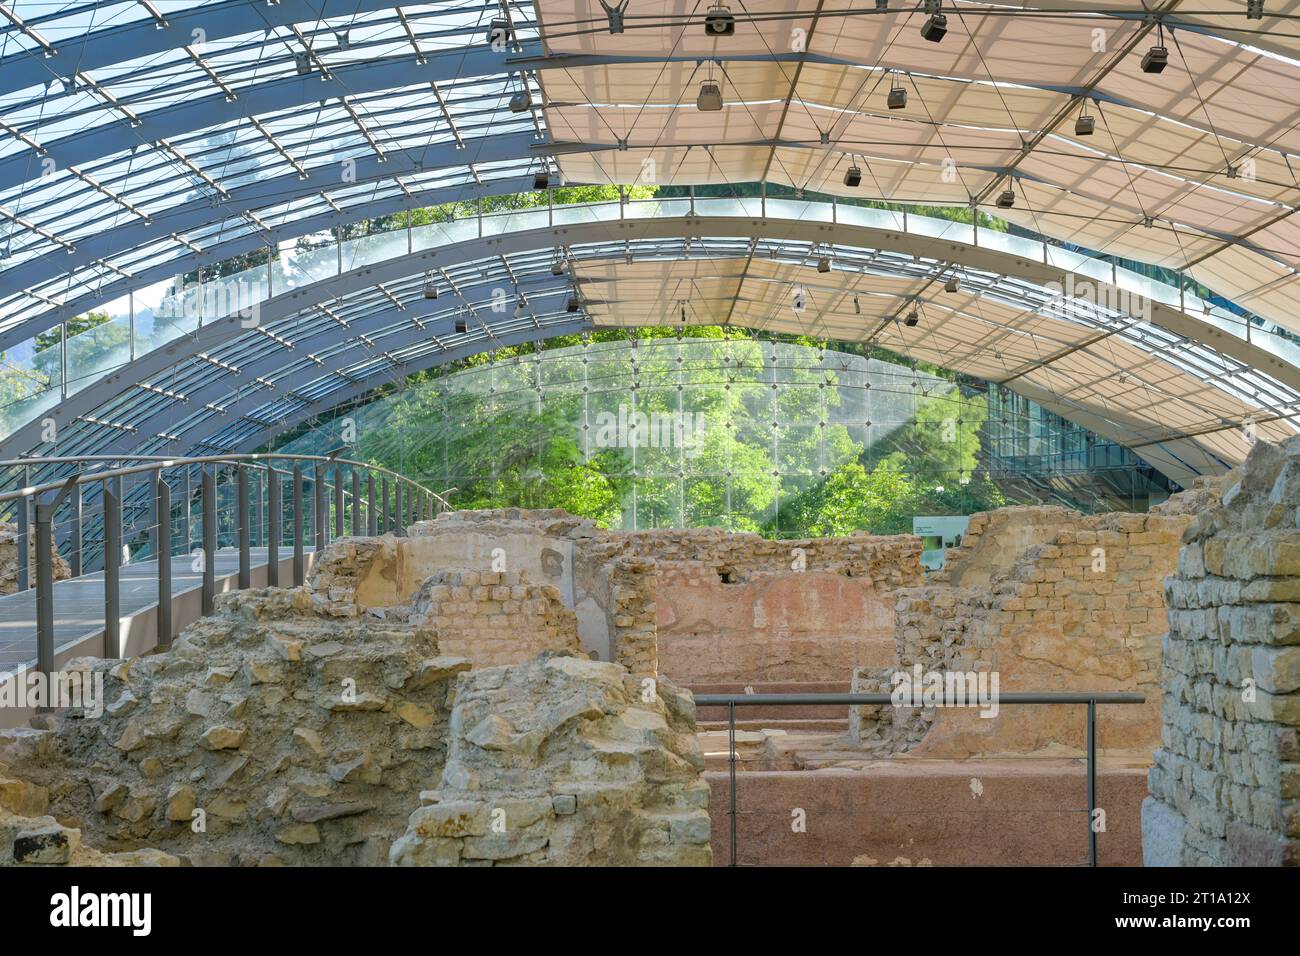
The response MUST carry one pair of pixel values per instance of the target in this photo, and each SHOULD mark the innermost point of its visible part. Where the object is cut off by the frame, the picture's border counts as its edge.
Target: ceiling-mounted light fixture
(824, 264)
(897, 99)
(935, 27)
(1157, 58)
(557, 267)
(572, 305)
(719, 22)
(521, 101)
(683, 313)
(542, 180)
(1254, 9)
(853, 176)
(302, 62)
(430, 287)
(1007, 199)
(498, 34)
(615, 15)
(882, 4)
(710, 98)
(953, 284)
(1085, 123)
(857, 306)
(461, 326)
(912, 319)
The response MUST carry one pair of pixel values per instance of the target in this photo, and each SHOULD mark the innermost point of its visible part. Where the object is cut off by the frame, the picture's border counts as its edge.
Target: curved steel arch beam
(421, 364)
(146, 37)
(47, 267)
(217, 392)
(319, 179)
(812, 232)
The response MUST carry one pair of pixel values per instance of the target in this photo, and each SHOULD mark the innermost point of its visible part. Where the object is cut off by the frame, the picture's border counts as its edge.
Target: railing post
(187, 519)
(322, 516)
(241, 505)
(298, 559)
(1092, 782)
(356, 503)
(273, 505)
(339, 530)
(44, 587)
(112, 566)
(372, 518)
(399, 523)
(385, 525)
(74, 517)
(258, 540)
(24, 534)
(208, 494)
(731, 754)
(163, 519)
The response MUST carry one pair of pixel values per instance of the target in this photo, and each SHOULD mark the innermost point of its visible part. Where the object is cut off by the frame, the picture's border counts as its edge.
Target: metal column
(322, 516)
(339, 530)
(163, 519)
(372, 517)
(24, 534)
(356, 504)
(74, 532)
(1092, 782)
(298, 557)
(273, 506)
(112, 566)
(208, 496)
(384, 524)
(241, 506)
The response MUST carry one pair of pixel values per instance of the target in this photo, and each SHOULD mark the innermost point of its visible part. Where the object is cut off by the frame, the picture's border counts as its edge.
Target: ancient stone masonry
(994, 540)
(9, 559)
(1083, 610)
(565, 761)
(1225, 788)
(495, 617)
(292, 736)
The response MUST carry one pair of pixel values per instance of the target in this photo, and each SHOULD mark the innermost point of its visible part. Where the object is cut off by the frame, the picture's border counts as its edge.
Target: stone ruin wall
(1225, 788)
(698, 604)
(1081, 607)
(300, 734)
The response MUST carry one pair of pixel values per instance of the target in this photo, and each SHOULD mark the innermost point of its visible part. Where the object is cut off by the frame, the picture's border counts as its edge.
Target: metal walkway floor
(79, 602)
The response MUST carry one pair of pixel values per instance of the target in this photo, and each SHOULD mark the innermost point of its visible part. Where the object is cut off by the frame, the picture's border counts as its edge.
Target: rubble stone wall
(994, 540)
(1225, 788)
(1084, 611)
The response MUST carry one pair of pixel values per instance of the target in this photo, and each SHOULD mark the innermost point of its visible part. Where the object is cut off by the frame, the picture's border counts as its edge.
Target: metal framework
(167, 143)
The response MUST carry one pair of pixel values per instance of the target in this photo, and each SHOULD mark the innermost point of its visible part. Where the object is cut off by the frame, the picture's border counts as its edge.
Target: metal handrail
(1090, 698)
(159, 461)
(415, 503)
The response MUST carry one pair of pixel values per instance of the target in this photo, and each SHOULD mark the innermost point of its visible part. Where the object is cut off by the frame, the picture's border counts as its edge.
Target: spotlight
(719, 22)
(1007, 199)
(897, 97)
(683, 315)
(1084, 125)
(853, 176)
(521, 101)
(572, 305)
(710, 98)
(302, 62)
(952, 285)
(1157, 57)
(824, 264)
(461, 326)
(935, 27)
(882, 4)
(857, 307)
(430, 290)
(912, 319)
(498, 33)
(557, 267)
(542, 180)
(1254, 9)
